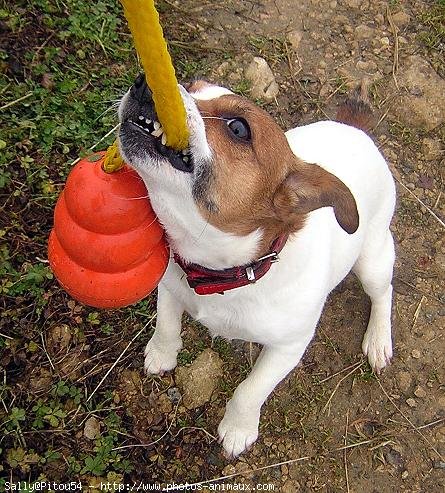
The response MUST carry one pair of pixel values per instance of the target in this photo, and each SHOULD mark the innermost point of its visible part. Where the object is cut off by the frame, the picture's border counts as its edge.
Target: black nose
(140, 91)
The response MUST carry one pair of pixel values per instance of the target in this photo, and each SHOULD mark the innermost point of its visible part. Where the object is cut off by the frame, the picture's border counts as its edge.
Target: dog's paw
(159, 359)
(236, 436)
(377, 346)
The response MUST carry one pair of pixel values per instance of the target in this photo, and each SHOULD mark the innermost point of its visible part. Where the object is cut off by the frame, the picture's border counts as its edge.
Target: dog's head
(238, 175)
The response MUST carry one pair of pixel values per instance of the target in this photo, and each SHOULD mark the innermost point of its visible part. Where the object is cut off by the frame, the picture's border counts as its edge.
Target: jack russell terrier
(244, 194)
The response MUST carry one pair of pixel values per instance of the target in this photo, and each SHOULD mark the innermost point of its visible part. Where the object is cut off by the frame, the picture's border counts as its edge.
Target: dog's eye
(240, 128)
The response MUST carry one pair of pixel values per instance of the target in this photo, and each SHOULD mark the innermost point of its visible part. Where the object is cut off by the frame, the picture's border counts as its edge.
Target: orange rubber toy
(107, 248)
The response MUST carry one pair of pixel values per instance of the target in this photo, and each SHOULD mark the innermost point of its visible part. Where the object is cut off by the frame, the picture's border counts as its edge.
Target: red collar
(209, 281)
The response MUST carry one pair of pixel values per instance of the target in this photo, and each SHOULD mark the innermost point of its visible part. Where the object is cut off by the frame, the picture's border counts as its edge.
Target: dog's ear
(310, 187)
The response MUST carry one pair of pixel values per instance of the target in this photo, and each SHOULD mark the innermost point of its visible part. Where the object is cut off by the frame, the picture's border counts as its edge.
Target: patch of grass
(185, 357)
(432, 33)
(223, 347)
(63, 67)
(341, 86)
(434, 20)
(408, 135)
(242, 87)
(365, 373)
(273, 49)
(189, 69)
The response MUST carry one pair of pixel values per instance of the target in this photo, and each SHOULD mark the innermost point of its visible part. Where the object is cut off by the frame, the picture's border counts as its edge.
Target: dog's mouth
(152, 130)
(141, 134)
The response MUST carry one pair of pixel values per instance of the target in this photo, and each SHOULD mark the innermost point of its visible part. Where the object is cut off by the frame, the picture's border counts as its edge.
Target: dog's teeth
(147, 121)
(141, 118)
(185, 152)
(186, 159)
(163, 139)
(157, 125)
(158, 132)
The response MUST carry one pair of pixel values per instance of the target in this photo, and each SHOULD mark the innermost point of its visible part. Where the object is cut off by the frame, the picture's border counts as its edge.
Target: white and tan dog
(224, 202)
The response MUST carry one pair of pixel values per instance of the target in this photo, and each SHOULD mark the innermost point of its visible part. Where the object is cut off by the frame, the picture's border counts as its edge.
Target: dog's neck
(193, 238)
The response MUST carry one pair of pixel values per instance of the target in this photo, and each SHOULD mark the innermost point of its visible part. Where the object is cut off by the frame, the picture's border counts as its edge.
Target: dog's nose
(140, 91)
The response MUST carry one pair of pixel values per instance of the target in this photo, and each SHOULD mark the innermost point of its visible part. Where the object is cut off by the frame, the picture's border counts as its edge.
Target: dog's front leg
(239, 426)
(162, 349)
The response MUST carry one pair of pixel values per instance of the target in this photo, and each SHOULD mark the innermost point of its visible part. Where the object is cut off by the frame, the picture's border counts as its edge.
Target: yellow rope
(143, 20)
(112, 160)
(146, 29)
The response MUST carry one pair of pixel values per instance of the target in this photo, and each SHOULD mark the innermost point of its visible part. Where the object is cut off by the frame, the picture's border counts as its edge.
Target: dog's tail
(356, 110)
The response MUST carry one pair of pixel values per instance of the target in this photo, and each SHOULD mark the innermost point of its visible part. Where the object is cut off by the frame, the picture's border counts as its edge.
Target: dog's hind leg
(162, 349)
(374, 269)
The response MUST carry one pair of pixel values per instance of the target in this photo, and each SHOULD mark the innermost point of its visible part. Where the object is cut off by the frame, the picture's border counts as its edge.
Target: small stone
(421, 90)
(58, 339)
(401, 19)
(380, 18)
(294, 38)
(393, 457)
(264, 85)
(416, 354)
(367, 66)
(291, 486)
(419, 392)
(241, 467)
(354, 4)
(268, 441)
(223, 69)
(40, 380)
(229, 470)
(384, 41)
(405, 474)
(411, 402)
(404, 381)
(200, 379)
(342, 20)
(431, 149)
(174, 394)
(91, 430)
(47, 81)
(364, 32)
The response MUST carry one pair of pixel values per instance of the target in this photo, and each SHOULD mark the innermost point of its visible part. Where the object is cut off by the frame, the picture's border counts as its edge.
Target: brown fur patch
(262, 184)
(356, 110)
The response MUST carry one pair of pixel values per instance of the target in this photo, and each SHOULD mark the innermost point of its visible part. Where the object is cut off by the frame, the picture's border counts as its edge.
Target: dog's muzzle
(141, 129)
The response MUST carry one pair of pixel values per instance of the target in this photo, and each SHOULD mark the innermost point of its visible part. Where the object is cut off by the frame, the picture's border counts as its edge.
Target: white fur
(281, 310)
(211, 92)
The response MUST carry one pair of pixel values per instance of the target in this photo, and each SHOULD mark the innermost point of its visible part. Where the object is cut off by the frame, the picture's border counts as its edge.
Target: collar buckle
(272, 255)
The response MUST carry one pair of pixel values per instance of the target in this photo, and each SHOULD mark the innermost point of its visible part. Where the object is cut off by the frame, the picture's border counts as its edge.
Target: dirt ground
(332, 425)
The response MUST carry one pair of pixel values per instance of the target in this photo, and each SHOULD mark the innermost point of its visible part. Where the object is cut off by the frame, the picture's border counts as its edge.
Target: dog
(262, 225)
